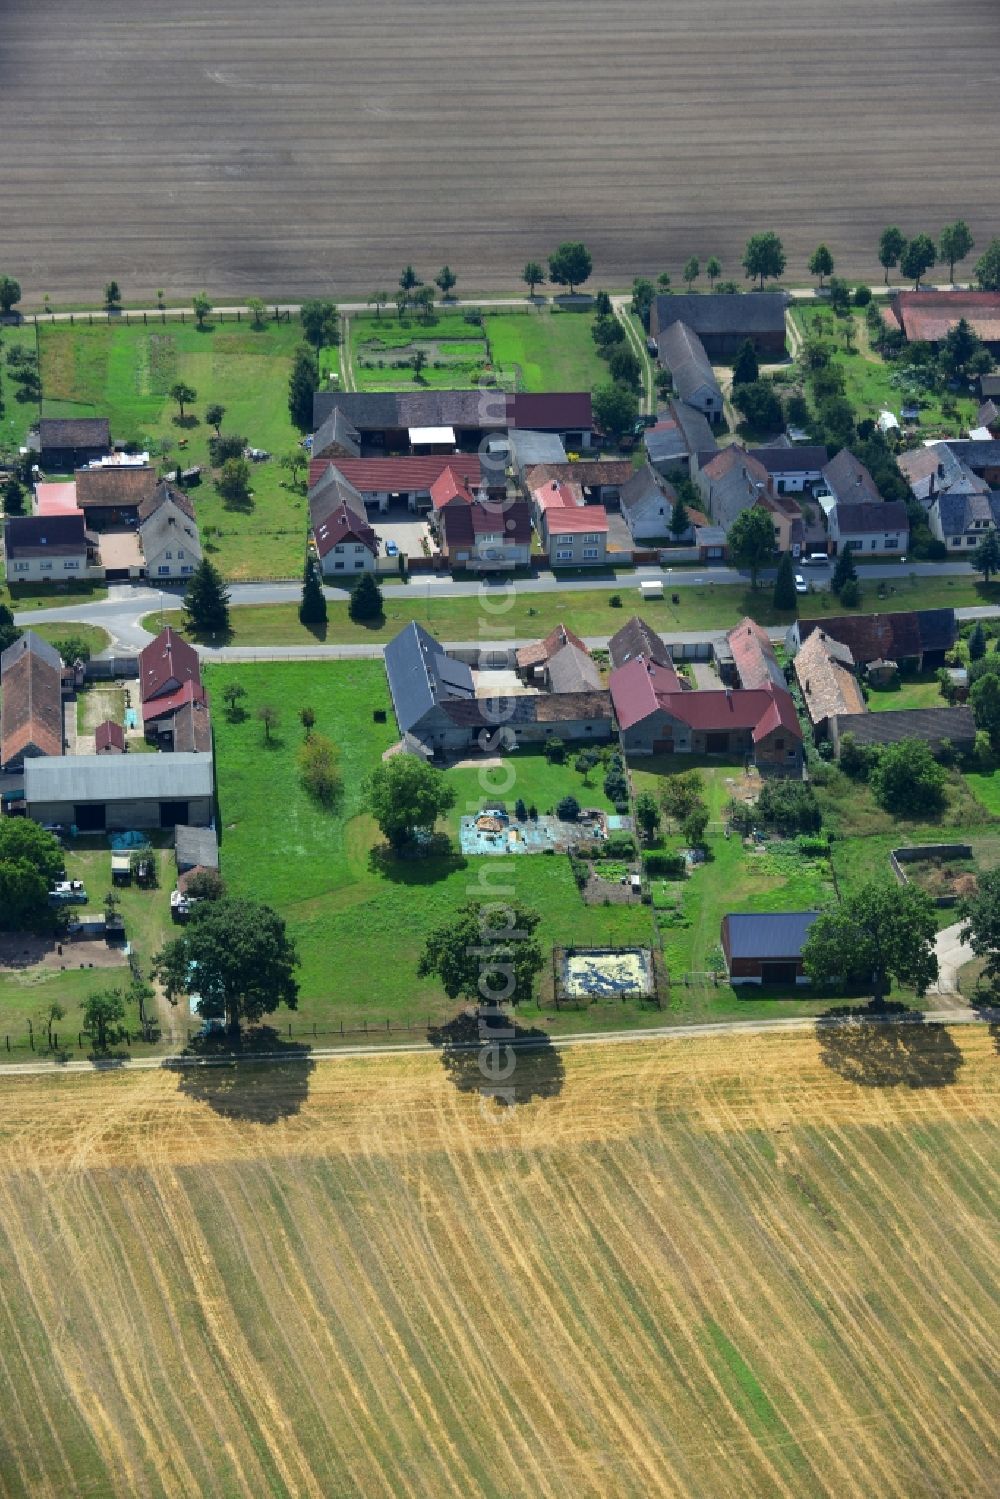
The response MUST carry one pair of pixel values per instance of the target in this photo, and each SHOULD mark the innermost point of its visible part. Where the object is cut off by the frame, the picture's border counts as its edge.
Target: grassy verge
(712, 606)
(92, 635)
(17, 417)
(24, 596)
(126, 373)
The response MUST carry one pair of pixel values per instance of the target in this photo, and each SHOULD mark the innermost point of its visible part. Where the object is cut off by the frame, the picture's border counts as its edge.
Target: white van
(651, 588)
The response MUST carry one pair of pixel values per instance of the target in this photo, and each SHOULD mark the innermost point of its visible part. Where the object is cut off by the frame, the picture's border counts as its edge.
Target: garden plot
(494, 832)
(593, 973)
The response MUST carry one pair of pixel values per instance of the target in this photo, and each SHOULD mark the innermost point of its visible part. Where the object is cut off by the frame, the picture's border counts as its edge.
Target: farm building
(792, 467)
(929, 316)
(922, 637)
(559, 663)
(824, 672)
(724, 321)
(748, 659)
(981, 455)
(98, 793)
(110, 494)
(730, 482)
(656, 716)
(600, 479)
(935, 470)
(402, 421)
(31, 706)
(682, 352)
(766, 948)
(409, 481)
(637, 638)
(68, 443)
(934, 726)
(680, 434)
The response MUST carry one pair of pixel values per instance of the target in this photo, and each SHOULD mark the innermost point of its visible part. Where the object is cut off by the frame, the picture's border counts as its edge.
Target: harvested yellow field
(708, 1267)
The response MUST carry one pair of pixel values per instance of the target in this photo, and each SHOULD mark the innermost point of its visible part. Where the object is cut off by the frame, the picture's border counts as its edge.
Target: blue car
(391, 549)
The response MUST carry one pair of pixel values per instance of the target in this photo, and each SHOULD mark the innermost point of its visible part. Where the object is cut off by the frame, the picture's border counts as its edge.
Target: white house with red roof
(572, 533)
(344, 542)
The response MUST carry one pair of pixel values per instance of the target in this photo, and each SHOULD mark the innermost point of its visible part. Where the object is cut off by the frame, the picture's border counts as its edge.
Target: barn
(766, 948)
(108, 793)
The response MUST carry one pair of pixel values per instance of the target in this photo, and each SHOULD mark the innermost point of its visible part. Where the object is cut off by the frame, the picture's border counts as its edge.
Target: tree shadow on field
(985, 1000)
(504, 1062)
(258, 1078)
(887, 1046)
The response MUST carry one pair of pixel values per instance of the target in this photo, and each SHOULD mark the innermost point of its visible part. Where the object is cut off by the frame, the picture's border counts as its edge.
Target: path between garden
(952, 955)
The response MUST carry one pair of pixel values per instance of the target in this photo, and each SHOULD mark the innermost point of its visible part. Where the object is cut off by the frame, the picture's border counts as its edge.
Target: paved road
(561, 1043)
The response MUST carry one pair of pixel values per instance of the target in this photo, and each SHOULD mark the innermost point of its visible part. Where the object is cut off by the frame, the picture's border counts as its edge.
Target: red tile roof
(931, 314)
(109, 737)
(541, 651)
(395, 475)
(463, 524)
(753, 655)
(450, 485)
(343, 525)
(55, 499)
(168, 704)
(168, 661)
(562, 519)
(640, 688)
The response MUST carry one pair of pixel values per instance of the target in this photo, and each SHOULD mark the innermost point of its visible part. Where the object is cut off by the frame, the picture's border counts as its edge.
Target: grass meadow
(721, 1267)
(546, 350)
(126, 372)
(360, 923)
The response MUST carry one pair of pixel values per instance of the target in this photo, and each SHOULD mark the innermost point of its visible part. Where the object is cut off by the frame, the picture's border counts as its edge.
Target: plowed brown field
(253, 146)
(708, 1267)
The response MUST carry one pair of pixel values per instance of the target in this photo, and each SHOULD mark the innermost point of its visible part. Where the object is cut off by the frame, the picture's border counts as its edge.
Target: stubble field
(280, 149)
(750, 1265)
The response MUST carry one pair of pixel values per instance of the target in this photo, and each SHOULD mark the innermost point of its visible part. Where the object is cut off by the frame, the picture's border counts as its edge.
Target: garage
(766, 947)
(116, 793)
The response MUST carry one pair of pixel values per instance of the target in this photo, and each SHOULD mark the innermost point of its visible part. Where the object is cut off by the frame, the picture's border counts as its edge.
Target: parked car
(652, 346)
(801, 586)
(815, 559)
(391, 549)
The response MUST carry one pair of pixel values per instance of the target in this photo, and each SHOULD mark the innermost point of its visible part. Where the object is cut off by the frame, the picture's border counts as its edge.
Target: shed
(109, 738)
(195, 848)
(766, 948)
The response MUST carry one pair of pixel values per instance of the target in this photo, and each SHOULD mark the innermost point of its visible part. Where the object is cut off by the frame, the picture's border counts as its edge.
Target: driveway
(401, 526)
(952, 954)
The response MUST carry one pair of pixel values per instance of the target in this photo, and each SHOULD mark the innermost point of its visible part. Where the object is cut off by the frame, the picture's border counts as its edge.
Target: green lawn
(380, 350)
(360, 927)
(711, 606)
(530, 777)
(126, 372)
(25, 994)
(921, 691)
(92, 635)
(985, 787)
(547, 350)
(16, 416)
(873, 384)
(23, 596)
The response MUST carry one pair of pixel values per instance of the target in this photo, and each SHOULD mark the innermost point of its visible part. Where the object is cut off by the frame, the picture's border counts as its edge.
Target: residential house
(638, 638)
(31, 704)
(422, 678)
(168, 534)
(344, 542)
(647, 501)
(961, 521)
(749, 658)
(981, 455)
(935, 470)
(849, 482)
(725, 320)
(730, 482)
(656, 716)
(166, 664)
(766, 948)
(68, 443)
(878, 528)
(109, 738)
(110, 494)
(792, 467)
(788, 522)
(49, 548)
(824, 671)
(105, 793)
(682, 352)
(928, 316)
(451, 488)
(934, 726)
(559, 663)
(988, 417)
(330, 491)
(572, 535)
(381, 482)
(487, 536)
(159, 713)
(918, 637)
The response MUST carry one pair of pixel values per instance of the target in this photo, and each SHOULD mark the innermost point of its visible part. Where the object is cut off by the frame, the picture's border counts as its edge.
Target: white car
(801, 586)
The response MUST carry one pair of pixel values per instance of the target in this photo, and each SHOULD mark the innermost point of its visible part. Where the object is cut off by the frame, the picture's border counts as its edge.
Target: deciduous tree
(624, 367)
(758, 405)
(257, 308)
(202, 307)
(487, 953)
(892, 243)
(987, 268)
(319, 768)
(570, 264)
(234, 695)
(406, 795)
(917, 258)
(980, 914)
(956, 244)
(183, 394)
(984, 696)
(750, 540)
(378, 300)
(213, 416)
(112, 295)
(234, 481)
(533, 275)
(878, 934)
(691, 272)
(104, 1017)
(10, 293)
(643, 292)
(764, 257)
(821, 263)
(319, 322)
(713, 269)
(616, 409)
(907, 781)
(237, 956)
(647, 814)
(446, 280)
(986, 558)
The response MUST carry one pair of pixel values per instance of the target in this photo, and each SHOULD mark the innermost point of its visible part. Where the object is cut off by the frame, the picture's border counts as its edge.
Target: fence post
(31, 1036)
(7, 1039)
(90, 319)
(79, 1040)
(366, 1027)
(145, 320)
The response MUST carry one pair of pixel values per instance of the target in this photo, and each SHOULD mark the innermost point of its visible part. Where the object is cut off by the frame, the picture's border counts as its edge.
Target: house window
(187, 569)
(359, 548)
(592, 536)
(970, 541)
(69, 567)
(854, 546)
(163, 571)
(956, 541)
(873, 545)
(358, 562)
(591, 552)
(564, 556)
(180, 551)
(169, 556)
(564, 541)
(338, 549)
(338, 567)
(892, 541)
(46, 567)
(20, 567)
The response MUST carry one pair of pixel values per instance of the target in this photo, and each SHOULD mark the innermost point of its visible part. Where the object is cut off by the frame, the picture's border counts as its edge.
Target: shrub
(907, 780)
(741, 816)
(615, 601)
(568, 810)
(555, 751)
(520, 810)
(812, 848)
(667, 866)
(862, 296)
(850, 594)
(319, 769)
(619, 846)
(790, 806)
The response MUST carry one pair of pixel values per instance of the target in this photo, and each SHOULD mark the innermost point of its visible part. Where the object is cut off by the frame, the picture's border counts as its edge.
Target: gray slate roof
(735, 313)
(332, 492)
(977, 454)
(930, 724)
(637, 638)
(683, 354)
(848, 480)
(791, 459)
(876, 516)
(116, 778)
(74, 432)
(774, 934)
(573, 670)
(421, 676)
(644, 486)
(196, 846)
(958, 512)
(337, 432)
(169, 526)
(528, 448)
